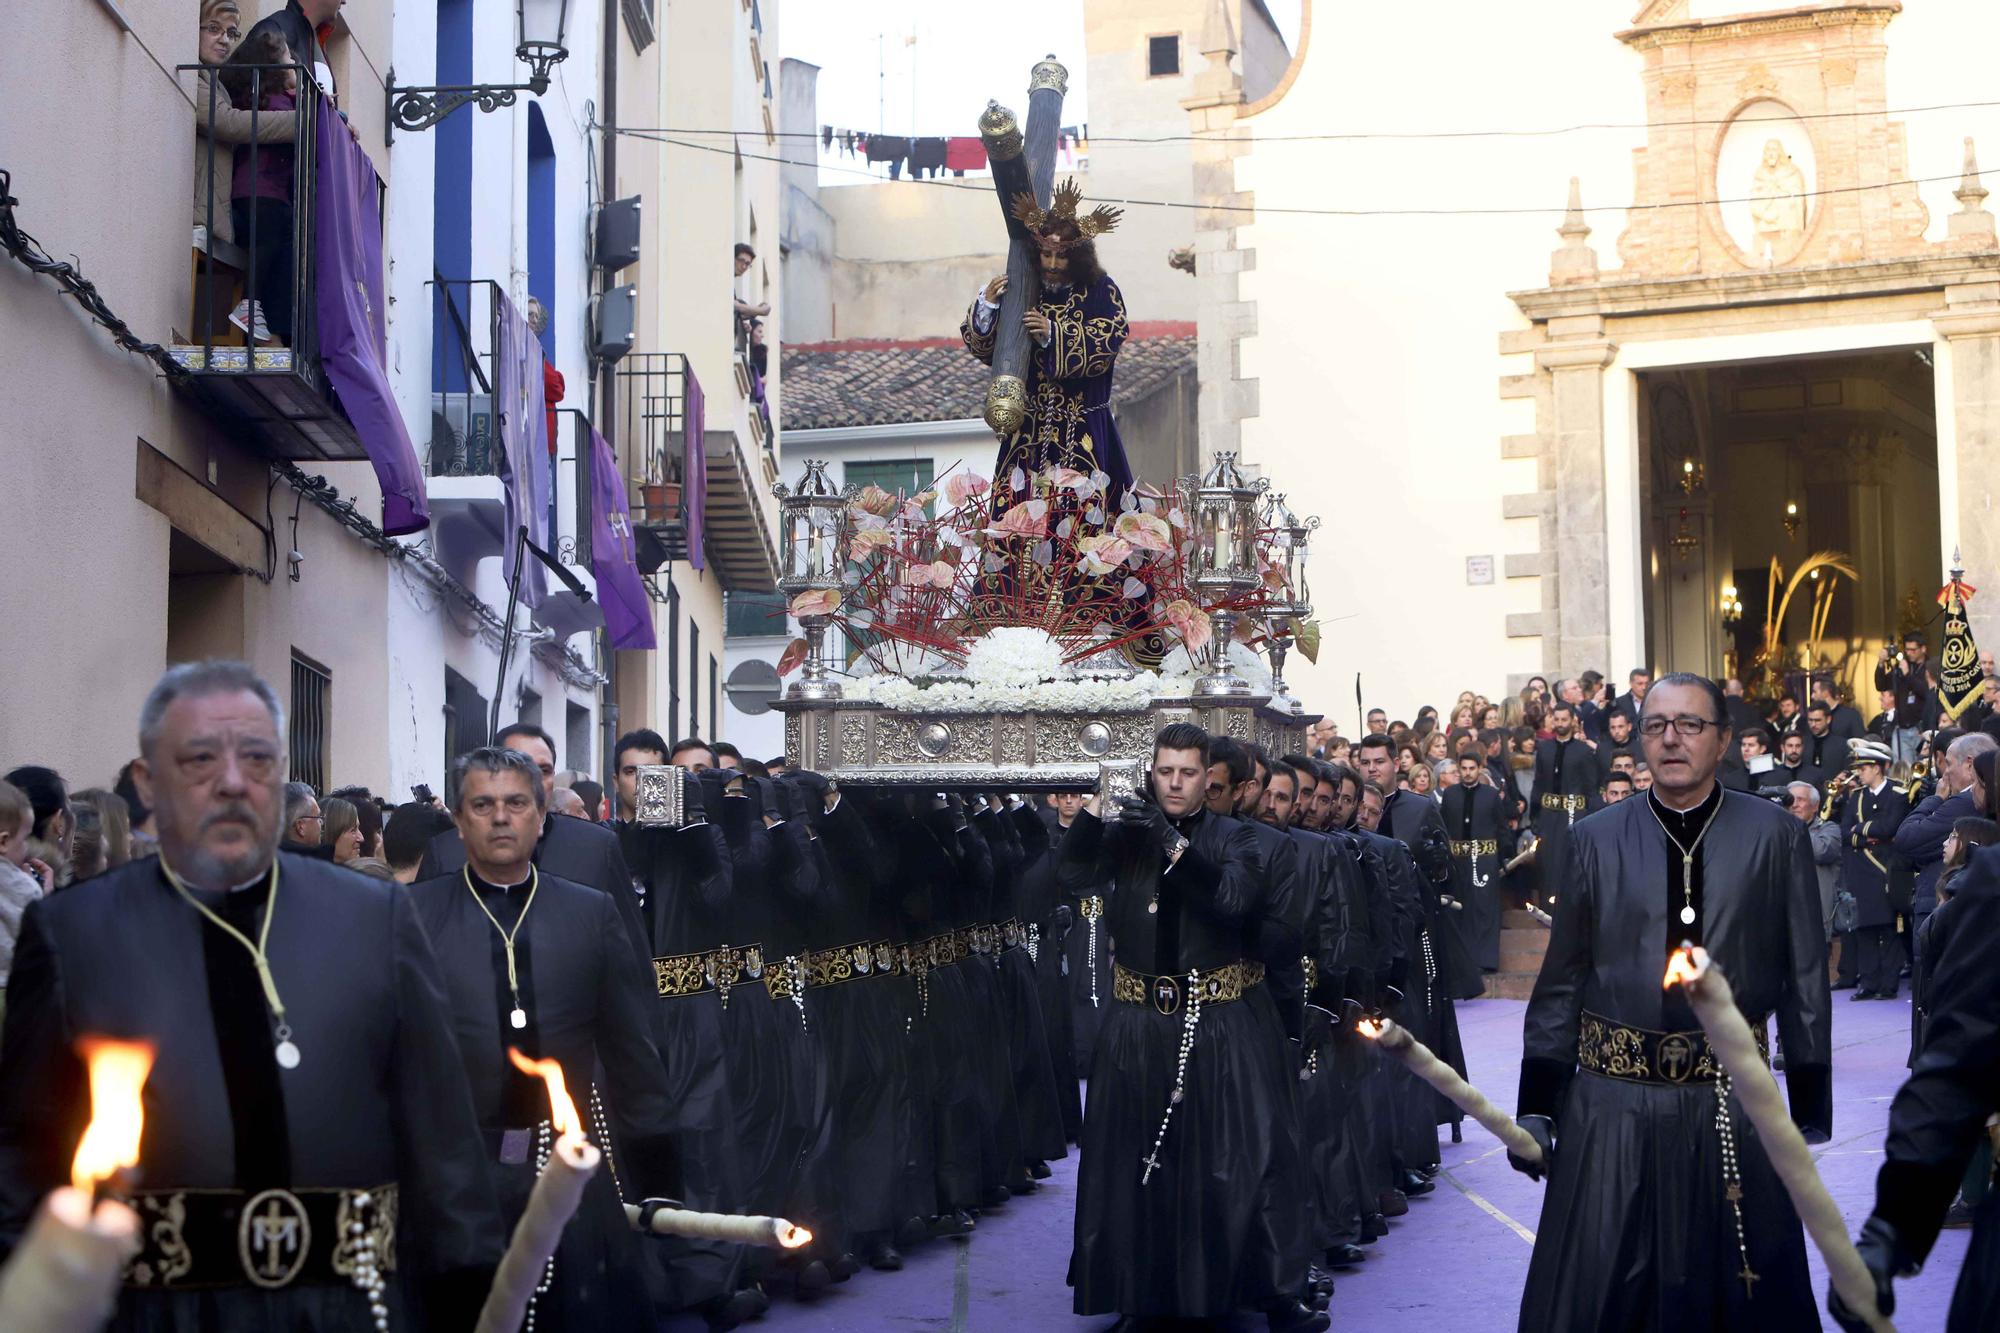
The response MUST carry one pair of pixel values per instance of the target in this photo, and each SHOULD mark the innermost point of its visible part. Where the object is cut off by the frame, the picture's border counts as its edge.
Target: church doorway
(1813, 462)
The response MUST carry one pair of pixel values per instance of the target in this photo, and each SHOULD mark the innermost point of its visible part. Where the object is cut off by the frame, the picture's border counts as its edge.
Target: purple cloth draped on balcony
(524, 444)
(697, 469)
(628, 612)
(347, 241)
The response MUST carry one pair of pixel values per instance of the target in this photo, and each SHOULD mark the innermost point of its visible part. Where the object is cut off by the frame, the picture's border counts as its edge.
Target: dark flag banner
(1959, 678)
(628, 612)
(347, 252)
(524, 446)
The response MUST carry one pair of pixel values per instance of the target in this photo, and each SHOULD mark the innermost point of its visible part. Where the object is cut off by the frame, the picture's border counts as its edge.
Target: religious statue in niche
(1777, 204)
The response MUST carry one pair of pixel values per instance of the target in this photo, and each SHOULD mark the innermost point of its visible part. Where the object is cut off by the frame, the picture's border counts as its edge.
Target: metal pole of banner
(507, 626)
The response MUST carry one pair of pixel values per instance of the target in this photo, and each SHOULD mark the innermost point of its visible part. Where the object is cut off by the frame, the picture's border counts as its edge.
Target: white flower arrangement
(1249, 665)
(1016, 669)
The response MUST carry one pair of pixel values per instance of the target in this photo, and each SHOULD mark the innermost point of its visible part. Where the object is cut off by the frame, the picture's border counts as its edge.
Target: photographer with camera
(1906, 678)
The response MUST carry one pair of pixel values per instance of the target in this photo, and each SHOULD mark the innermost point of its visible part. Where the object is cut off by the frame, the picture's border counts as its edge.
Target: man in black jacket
(1939, 1117)
(1870, 871)
(572, 849)
(305, 1060)
(1907, 678)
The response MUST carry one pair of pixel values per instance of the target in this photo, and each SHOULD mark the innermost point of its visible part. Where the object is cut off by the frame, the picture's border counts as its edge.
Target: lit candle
(1729, 1037)
(770, 1232)
(558, 1191)
(1225, 541)
(64, 1276)
(1421, 1061)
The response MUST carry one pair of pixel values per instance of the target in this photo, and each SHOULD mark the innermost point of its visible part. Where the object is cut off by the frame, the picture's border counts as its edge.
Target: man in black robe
(1663, 1211)
(1480, 844)
(1180, 1156)
(1825, 753)
(1619, 738)
(1870, 865)
(1565, 791)
(333, 1097)
(573, 849)
(1939, 1116)
(688, 876)
(535, 963)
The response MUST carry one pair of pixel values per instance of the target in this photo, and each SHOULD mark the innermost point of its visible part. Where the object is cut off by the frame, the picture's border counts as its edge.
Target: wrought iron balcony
(254, 259)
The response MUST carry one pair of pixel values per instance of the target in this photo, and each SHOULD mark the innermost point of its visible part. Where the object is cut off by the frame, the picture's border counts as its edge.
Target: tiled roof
(873, 382)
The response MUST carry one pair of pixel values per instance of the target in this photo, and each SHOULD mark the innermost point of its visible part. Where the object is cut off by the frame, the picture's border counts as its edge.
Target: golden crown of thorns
(1062, 208)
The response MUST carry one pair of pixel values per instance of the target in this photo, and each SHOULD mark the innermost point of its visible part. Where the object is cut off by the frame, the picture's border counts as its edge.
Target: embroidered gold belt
(1573, 804)
(1011, 933)
(680, 974)
(830, 967)
(780, 983)
(207, 1238)
(1476, 847)
(1218, 986)
(942, 950)
(1640, 1055)
(1090, 908)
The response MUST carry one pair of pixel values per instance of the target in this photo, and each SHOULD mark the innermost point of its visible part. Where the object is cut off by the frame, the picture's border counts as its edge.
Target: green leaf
(1306, 636)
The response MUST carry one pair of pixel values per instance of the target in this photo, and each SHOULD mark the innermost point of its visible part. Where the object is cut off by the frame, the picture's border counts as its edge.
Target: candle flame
(1681, 969)
(562, 1111)
(793, 1237)
(1372, 1028)
(110, 1143)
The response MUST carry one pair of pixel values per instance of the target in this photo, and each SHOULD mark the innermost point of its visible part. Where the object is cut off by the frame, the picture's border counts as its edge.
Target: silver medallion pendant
(288, 1054)
(519, 1018)
(1687, 916)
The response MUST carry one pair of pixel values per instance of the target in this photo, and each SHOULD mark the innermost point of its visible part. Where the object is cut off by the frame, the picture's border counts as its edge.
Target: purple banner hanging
(628, 612)
(347, 252)
(524, 443)
(696, 408)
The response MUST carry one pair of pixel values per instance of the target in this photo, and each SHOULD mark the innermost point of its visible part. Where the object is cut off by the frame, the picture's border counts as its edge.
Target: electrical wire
(1268, 210)
(1404, 136)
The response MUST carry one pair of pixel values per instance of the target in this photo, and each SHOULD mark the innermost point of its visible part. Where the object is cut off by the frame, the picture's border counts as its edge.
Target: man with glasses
(1657, 1215)
(304, 822)
(305, 1070)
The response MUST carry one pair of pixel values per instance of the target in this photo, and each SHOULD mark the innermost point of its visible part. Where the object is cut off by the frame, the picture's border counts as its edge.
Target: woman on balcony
(219, 128)
(260, 191)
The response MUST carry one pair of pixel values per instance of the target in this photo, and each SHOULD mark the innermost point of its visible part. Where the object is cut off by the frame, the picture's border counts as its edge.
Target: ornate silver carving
(662, 795)
(853, 738)
(934, 739)
(1010, 739)
(1094, 739)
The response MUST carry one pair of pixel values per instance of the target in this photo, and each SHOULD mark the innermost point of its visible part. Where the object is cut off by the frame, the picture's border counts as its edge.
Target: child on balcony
(265, 194)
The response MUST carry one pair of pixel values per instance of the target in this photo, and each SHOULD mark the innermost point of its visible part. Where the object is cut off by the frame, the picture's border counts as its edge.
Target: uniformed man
(305, 1071)
(1870, 863)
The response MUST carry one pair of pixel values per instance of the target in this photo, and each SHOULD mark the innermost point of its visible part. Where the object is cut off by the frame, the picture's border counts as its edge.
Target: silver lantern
(814, 529)
(1221, 506)
(1290, 538)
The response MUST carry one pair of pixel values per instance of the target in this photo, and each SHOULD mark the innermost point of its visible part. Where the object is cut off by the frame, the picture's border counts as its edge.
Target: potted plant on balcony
(659, 494)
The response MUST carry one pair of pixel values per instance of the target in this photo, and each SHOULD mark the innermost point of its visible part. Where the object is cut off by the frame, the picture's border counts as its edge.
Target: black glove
(816, 783)
(1543, 1131)
(1881, 1249)
(1064, 916)
(1148, 821)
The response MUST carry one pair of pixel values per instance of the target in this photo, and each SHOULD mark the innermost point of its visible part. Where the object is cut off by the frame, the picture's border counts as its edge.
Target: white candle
(771, 1232)
(63, 1278)
(1420, 1060)
(558, 1191)
(1729, 1037)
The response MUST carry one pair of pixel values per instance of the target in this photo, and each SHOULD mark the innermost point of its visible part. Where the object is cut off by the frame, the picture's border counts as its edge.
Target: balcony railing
(573, 450)
(653, 392)
(254, 258)
(465, 330)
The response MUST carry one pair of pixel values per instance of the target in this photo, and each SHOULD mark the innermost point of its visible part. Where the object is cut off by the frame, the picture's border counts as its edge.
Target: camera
(422, 793)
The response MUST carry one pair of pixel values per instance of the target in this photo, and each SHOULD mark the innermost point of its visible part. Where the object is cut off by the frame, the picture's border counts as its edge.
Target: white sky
(873, 78)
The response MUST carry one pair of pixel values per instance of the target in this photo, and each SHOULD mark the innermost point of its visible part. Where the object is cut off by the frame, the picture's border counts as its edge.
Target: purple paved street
(1460, 1254)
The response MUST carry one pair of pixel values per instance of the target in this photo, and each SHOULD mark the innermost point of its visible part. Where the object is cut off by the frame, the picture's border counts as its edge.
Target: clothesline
(934, 155)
